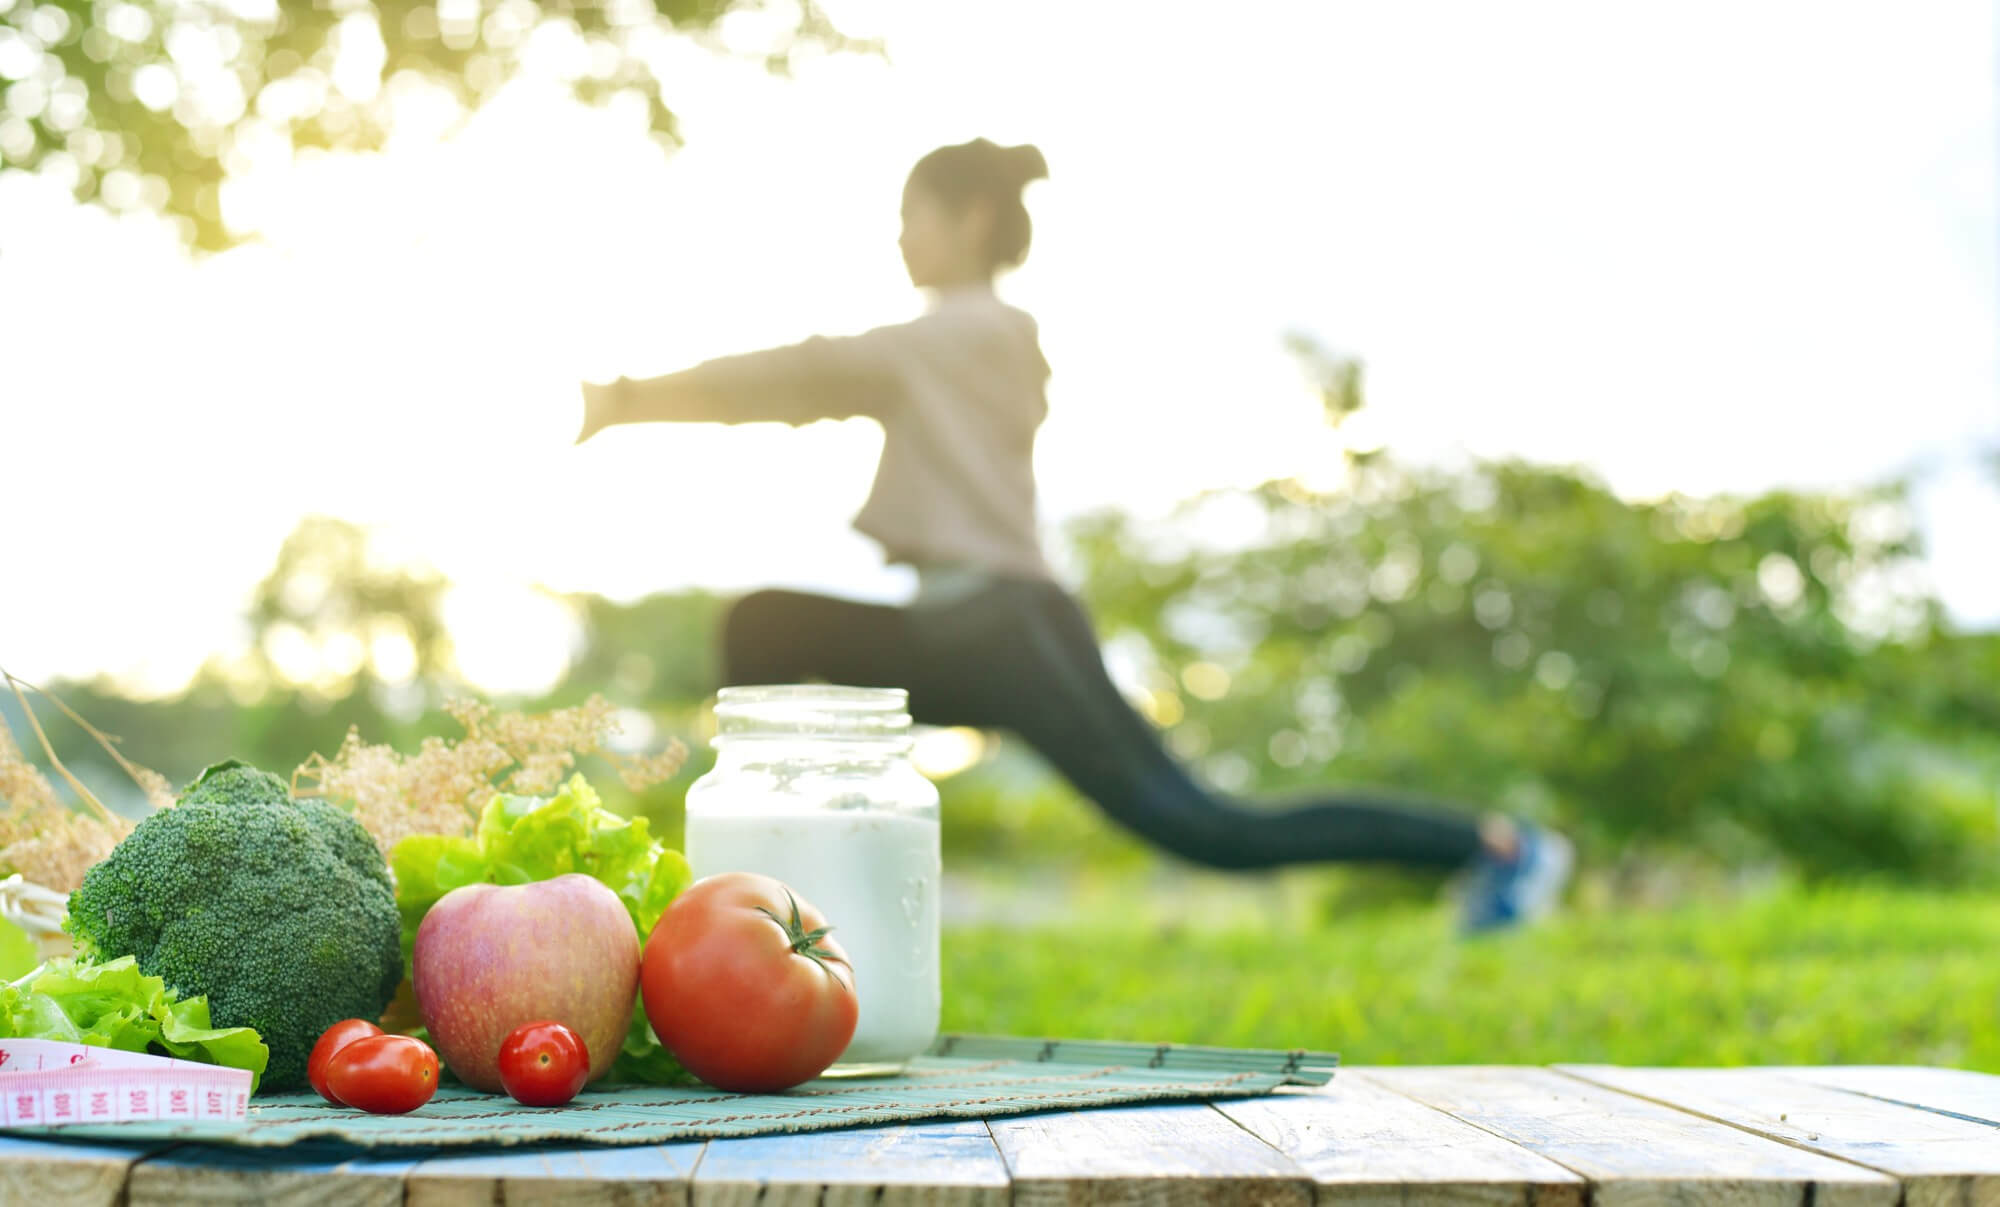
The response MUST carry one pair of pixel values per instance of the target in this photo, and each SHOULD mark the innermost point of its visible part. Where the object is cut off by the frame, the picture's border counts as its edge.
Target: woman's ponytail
(981, 171)
(1028, 163)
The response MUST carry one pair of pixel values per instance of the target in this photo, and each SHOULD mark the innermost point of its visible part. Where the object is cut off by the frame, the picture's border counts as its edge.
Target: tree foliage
(157, 102)
(1757, 678)
(331, 602)
(1750, 680)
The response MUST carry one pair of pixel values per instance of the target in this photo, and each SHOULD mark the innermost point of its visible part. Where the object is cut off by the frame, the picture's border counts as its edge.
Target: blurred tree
(155, 102)
(1757, 678)
(1337, 378)
(657, 652)
(337, 636)
(331, 613)
(1750, 679)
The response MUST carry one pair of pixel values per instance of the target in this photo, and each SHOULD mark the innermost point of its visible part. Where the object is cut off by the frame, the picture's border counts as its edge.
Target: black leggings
(1019, 654)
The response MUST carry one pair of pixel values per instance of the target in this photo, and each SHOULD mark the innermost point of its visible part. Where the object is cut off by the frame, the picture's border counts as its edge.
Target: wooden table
(1817, 1137)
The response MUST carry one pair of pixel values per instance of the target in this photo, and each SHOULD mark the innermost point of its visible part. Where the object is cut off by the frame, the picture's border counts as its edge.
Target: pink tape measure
(48, 1083)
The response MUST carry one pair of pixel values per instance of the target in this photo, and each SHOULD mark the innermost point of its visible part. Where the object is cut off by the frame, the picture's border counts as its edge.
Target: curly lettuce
(114, 1005)
(522, 839)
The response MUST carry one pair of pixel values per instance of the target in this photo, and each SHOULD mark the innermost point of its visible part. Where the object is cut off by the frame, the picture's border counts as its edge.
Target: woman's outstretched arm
(825, 377)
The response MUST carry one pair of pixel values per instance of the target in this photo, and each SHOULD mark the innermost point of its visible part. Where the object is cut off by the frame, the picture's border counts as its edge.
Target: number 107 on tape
(44, 1083)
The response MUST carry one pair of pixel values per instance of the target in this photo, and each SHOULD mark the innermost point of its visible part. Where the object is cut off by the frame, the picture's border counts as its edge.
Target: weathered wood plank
(655, 1175)
(52, 1172)
(915, 1165)
(1155, 1156)
(1940, 1159)
(1367, 1145)
(1959, 1092)
(1635, 1151)
(304, 1174)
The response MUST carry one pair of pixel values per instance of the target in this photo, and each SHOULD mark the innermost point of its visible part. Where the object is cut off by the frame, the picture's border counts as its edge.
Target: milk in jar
(813, 786)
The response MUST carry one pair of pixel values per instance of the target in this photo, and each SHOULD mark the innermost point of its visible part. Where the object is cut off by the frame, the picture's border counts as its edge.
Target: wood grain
(653, 1175)
(1940, 1159)
(1959, 1092)
(1183, 1156)
(1366, 1145)
(302, 1174)
(914, 1165)
(1823, 1136)
(1635, 1151)
(61, 1172)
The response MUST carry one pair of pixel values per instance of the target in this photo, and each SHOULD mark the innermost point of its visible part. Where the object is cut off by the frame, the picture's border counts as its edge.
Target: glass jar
(813, 785)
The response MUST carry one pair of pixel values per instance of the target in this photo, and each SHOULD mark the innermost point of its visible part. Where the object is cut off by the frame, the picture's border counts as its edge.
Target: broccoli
(280, 910)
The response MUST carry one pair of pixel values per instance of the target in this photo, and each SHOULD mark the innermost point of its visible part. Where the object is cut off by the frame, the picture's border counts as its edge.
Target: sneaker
(1508, 892)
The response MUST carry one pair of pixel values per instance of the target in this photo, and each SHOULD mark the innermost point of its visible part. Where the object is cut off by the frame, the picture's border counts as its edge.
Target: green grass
(1862, 975)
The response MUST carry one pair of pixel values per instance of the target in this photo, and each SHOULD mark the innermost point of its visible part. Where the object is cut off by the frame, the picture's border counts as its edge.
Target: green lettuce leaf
(186, 1032)
(19, 954)
(522, 839)
(643, 1058)
(425, 868)
(114, 1005)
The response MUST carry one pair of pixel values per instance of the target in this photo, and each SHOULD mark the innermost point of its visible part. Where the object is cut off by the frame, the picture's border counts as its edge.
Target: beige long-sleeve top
(959, 393)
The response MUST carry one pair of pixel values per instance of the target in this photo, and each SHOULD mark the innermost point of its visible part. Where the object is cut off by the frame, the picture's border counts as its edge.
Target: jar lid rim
(817, 710)
(835, 694)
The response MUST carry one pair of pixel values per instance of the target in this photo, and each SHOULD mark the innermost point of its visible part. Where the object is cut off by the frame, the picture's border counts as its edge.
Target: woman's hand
(600, 407)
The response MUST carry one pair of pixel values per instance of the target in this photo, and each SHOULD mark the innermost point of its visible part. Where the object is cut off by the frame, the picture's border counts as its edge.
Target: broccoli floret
(280, 910)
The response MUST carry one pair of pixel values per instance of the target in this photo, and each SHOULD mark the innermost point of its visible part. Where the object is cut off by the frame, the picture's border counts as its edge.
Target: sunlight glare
(509, 639)
(400, 341)
(942, 753)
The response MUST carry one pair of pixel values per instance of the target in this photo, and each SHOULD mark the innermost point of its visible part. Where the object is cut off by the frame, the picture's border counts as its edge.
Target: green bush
(1732, 680)
(1751, 679)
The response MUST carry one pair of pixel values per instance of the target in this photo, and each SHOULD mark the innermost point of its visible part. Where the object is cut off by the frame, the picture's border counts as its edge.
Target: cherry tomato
(332, 1040)
(384, 1074)
(543, 1063)
(742, 984)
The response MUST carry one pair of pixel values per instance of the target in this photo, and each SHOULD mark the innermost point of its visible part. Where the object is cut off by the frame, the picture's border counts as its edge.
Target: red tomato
(543, 1063)
(384, 1074)
(741, 984)
(332, 1040)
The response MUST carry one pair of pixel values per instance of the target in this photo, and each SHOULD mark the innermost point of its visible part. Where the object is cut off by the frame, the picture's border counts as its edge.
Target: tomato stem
(802, 941)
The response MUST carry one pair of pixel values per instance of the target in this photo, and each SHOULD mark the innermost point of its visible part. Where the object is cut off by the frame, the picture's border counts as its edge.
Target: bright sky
(1706, 247)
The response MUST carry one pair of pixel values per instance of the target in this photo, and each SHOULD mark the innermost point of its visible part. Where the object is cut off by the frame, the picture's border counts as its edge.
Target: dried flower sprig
(442, 788)
(41, 838)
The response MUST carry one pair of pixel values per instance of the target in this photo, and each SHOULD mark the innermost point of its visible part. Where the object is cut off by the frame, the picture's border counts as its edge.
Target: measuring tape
(48, 1083)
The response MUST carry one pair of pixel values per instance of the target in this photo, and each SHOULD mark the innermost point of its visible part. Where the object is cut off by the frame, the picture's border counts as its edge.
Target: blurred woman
(991, 639)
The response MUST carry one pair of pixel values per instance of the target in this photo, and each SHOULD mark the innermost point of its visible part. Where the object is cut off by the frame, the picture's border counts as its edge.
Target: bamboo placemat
(961, 1077)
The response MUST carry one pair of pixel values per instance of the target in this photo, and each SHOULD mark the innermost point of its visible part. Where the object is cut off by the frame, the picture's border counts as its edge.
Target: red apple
(490, 957)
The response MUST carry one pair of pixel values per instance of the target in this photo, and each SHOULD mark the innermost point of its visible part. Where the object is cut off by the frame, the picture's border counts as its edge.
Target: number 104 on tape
(48, 1083)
